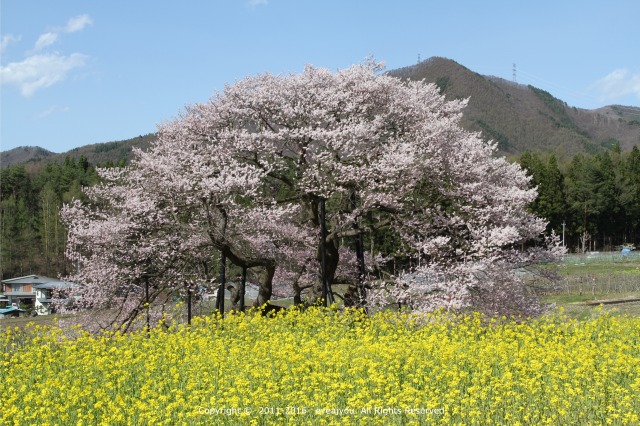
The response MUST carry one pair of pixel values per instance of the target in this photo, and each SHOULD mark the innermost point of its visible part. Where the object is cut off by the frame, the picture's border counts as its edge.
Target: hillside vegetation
(588, 174)
(521, 117)
(518, 117)
(102, 154)
(597, 198)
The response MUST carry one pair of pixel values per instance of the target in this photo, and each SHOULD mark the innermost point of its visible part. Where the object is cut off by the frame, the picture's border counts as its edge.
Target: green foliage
(33, 237)
(551, 102)
(502, 140)
(611, 144)
(547, 178)
(442, 83)
(106, 147)
(630, 188)
(597, 197)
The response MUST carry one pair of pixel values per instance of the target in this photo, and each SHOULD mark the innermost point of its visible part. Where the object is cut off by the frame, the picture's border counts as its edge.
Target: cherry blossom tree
(246, 172)
(132, 250)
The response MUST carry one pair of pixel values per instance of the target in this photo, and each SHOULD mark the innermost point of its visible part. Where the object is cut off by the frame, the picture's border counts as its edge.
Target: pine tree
(583, 185)
(630, 196)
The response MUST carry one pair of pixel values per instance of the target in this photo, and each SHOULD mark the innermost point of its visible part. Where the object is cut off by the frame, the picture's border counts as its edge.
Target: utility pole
(327, 294)
(146, 294)
(243, 286)
(220, 295)
(563, 223)
(188, 304)
(362, 295)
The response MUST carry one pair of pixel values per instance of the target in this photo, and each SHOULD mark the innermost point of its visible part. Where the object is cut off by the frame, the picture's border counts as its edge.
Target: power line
(565, 92)
(573, 93)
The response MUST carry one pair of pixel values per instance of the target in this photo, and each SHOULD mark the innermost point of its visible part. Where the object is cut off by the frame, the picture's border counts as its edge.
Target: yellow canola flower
(327, 367)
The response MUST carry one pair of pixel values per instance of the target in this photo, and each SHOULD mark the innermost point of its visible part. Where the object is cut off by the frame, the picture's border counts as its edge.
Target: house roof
(58, 284)
(39, 281)
(11, 309)
(30, 279)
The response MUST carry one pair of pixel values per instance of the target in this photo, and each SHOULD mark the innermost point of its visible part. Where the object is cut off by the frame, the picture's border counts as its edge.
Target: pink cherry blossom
(244, 174)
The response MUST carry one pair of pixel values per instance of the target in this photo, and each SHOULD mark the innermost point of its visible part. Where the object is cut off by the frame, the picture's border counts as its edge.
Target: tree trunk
(356, 295)
(241, 257)
(266, 285)
(234, 297)
(331, 259)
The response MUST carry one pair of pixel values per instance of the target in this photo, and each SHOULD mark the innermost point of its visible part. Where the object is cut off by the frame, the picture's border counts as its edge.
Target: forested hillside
(596, 197)
(33, 237)
(99, 153)
(521, 117)
(585, 164)
(24, 154)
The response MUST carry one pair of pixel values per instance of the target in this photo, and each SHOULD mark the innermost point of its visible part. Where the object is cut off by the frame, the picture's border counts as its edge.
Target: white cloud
(7, 40)
(53, 110)
(45, 40)
(255, 3)
(40, 71)
(78, 23)
(73, 25)
(617, 84)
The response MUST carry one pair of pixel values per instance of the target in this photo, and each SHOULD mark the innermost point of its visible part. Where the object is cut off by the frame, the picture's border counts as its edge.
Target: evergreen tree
(583, 183)
(630, 196)
(32, 234)
(548, 180)
(609, 220)
(552, 203)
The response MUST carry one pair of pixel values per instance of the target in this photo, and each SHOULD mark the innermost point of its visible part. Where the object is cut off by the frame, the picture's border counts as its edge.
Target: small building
(33, 292)
(45, 293)
(12, 312)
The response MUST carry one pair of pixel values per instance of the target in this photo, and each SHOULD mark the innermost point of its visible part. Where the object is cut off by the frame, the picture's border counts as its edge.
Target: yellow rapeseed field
(328, 367)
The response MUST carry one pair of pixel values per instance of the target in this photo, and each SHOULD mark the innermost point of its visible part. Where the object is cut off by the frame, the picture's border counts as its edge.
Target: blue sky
(81, 72)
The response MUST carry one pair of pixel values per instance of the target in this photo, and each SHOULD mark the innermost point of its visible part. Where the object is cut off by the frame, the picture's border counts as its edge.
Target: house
(4, 300)
(12, 312)
(33, 292)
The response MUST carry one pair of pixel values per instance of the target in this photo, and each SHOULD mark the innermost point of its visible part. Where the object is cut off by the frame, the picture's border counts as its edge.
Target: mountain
(518, 117)
(101, 153)
(23, 154)
(98, 153)
(521, 117)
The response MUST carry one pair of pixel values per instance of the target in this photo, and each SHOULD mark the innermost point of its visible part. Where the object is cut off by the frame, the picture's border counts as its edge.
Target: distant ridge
(98, 153)
(23, 154)
(518, 117)
(521, 117)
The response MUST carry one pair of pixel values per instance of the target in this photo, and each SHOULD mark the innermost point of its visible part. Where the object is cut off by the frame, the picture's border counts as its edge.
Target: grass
(23, 321)
(576, 307)
(588, 278)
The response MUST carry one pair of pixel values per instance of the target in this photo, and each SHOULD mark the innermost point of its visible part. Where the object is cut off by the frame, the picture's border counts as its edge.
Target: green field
(602, 277)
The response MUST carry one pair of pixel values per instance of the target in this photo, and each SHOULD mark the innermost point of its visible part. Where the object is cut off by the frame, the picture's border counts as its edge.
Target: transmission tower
(515, 80)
